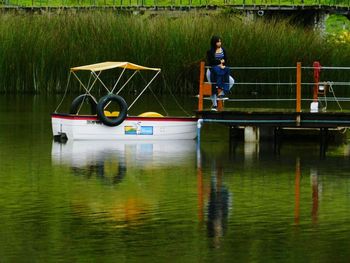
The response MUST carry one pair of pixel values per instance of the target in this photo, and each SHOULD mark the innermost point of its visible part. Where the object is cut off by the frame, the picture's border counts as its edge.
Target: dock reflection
(218, 204)
(315, 189)
(213, 197)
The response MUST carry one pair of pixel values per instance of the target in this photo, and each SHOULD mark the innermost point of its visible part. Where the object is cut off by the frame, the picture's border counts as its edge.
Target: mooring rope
(65, 92)
(335, 98)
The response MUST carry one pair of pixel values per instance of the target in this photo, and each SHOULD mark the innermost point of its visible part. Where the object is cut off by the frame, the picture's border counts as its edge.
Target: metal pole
(143, 90)
(124, 83)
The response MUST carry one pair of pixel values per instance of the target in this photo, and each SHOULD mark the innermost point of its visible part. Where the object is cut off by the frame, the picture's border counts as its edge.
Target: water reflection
(108, 202)
(218, 196)
(297, 192)
(316, 190)
(315, 194)
(159, 189)
(128, 167)
(218, 204)
(110, 159)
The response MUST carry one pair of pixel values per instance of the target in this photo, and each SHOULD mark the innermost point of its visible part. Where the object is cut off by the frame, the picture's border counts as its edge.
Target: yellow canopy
(111, 65)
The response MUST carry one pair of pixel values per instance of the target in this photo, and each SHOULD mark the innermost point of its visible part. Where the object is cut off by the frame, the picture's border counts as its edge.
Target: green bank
(36, 51)
(166, 3)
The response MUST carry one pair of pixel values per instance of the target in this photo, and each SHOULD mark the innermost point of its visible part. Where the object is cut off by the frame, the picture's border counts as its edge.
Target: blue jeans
(211, 77)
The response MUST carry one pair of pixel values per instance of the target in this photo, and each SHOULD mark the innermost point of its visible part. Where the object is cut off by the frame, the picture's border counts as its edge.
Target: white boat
(102, 124)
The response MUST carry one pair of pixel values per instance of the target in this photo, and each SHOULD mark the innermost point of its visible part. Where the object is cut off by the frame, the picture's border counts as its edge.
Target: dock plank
(277, 118)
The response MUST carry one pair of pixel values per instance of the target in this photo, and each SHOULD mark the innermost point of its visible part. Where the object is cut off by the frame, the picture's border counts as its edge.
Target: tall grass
(116, 3)
(36, 51)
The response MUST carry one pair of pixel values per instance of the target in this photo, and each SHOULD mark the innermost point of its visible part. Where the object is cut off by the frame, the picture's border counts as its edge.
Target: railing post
(298, 92)
(317, 70)
(201, 81)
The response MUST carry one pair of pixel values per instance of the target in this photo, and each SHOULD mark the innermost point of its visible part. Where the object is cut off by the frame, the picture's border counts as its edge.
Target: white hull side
(131, 129)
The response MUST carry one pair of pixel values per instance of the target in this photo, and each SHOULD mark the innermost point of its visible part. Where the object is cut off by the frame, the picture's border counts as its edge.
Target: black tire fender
(114, 121)
(78, 101)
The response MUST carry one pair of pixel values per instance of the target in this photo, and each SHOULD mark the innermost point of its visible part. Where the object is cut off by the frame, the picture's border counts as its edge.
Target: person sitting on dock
(218, 74)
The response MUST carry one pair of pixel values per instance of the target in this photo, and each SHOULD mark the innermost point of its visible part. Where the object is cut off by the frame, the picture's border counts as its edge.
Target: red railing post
(317, 70)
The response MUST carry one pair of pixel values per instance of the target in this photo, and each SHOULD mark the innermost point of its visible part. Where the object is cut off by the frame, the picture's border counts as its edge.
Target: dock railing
(319, 87)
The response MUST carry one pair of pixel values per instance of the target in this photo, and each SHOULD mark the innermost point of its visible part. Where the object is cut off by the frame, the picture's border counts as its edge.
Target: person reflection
(217, 206)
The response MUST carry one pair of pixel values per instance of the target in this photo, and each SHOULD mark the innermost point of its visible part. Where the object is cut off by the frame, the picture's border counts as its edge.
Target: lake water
(166, 201)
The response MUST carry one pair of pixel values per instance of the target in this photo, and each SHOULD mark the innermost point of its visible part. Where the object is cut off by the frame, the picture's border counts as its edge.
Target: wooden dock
(277, 119)
(268, 123)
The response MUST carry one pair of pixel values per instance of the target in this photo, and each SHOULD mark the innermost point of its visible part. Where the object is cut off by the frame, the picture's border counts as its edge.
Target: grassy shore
(82, 3)
(36, 51)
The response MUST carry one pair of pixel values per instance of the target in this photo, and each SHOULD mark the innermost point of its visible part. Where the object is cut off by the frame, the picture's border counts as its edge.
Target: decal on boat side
(137, 129)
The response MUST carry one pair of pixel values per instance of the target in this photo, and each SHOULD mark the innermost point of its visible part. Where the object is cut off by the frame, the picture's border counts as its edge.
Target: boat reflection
(79, 154)
(129, 167)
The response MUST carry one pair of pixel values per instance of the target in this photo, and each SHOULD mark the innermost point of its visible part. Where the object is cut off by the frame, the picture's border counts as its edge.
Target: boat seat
(151, 114)
(111, 114)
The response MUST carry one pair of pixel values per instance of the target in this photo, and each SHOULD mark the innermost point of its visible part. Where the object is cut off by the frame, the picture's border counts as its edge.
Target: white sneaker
(214, 108)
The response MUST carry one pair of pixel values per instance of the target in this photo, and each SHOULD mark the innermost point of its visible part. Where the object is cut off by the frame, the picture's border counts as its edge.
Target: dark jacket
(212, 61)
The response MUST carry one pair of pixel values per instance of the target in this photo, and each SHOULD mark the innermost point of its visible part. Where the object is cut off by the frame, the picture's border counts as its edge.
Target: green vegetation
(36, 51)
(337, 23)
(83, 3)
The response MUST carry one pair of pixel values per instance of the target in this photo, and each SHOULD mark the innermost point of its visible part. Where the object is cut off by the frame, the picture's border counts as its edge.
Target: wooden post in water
(298, 94)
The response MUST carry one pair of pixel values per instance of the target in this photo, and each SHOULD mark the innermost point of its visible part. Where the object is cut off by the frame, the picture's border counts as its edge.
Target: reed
(36, 51)
(183, 3)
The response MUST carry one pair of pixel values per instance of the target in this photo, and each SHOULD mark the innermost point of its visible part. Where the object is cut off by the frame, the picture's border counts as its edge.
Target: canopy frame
(95, 73)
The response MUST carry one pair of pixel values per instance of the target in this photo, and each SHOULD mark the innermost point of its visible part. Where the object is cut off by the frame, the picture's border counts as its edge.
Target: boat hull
(77, 127)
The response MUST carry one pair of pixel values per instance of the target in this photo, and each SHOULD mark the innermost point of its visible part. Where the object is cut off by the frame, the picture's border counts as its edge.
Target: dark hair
(213, 41)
